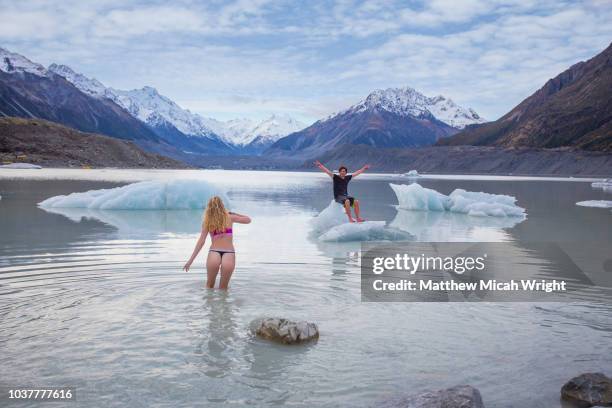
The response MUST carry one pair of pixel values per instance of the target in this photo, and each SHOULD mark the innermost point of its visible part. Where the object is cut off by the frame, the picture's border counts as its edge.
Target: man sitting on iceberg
(341, 181)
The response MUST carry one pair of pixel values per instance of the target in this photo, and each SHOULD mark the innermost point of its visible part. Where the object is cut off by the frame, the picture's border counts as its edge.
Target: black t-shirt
(341, 185)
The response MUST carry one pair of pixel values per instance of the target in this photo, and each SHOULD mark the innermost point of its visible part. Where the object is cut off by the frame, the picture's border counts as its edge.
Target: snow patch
(595, 203)
(145, 195)
(11, 62)
(416, 197)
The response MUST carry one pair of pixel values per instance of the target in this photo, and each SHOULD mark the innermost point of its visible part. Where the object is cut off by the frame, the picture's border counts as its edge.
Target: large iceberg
(330, 217)
(416, 197)
(145, 195)
(331, 225)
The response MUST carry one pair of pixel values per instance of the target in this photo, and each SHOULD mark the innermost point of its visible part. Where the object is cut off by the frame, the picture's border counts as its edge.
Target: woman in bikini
(218, 222)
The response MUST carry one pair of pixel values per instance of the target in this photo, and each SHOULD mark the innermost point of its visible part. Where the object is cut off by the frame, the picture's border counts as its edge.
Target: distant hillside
(572, 109)
(49, 144)
(472, 160)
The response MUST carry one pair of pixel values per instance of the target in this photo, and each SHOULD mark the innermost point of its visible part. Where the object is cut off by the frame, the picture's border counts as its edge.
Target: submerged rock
(286, 331)
(461, 396)
(588, 390)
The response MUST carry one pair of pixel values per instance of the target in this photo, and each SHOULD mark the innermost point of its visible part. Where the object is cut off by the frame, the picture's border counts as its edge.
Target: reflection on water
(442, 226)
(97, 299)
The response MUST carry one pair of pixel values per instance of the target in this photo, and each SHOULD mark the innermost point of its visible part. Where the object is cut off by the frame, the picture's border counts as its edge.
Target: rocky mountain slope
(29, 90)
(572, 109)
(50, 144)
(386, 118)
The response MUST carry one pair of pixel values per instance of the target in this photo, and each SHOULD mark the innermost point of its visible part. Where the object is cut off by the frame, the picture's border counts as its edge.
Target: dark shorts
(341, 199)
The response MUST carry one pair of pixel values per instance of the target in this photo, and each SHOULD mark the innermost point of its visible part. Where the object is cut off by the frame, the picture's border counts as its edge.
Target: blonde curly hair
(216, 217)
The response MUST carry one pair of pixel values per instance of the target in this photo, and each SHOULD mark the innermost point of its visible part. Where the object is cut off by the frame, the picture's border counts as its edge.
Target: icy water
(97, 300)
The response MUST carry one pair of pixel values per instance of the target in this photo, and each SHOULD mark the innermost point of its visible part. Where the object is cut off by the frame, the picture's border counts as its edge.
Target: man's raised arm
(361, 170)
(323, 168)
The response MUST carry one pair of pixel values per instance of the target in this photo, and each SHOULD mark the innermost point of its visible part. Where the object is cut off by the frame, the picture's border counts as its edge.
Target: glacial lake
(97, 300)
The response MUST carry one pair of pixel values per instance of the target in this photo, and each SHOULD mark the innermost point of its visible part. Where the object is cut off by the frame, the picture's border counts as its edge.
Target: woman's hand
(187, 266)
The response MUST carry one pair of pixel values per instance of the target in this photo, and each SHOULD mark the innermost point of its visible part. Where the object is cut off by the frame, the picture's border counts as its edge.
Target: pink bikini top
(215, 233)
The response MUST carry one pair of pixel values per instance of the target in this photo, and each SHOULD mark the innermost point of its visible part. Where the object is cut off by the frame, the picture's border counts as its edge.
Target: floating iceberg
(595, 203)
(145, 195)
(364, 231)
(605, 185)
(416, 197)
(330, 217)
(20, 166)
(412, 173)
(331, 225)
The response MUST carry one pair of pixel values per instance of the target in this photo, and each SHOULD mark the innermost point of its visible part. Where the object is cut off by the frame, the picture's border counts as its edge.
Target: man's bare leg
(356, 207)
(347, 209)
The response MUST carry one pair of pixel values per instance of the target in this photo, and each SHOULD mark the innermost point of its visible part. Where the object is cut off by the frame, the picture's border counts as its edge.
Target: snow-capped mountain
(275, 127)
(148, 105)
(408, 101)
(11, 62)
(145, 104)
(394, 117)
(245, 132)
(29, 90)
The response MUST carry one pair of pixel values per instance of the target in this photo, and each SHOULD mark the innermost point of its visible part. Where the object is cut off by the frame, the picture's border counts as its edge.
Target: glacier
(331, 225)
(144, 195)
(416, 197)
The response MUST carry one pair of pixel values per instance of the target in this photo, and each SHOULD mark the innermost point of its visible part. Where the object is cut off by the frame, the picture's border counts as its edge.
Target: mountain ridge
(393, 117)
(571, 109)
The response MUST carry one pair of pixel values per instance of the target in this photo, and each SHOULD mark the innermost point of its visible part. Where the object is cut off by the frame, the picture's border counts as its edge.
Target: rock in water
(286, 331)
(461, 396)
(588, 390)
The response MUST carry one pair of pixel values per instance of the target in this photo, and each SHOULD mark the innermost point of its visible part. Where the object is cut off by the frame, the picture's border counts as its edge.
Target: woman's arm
(361, 170)
(197, 249)
(239, 218)
(323, 168)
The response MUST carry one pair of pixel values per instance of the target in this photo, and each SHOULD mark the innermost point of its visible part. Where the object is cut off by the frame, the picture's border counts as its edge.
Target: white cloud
(254, 56)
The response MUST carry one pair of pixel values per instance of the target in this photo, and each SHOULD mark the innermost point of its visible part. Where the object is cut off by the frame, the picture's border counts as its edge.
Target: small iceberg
(20, 166)
(145, 195)
(412, 173)
(477, 204)
(331, 225)
(364, 231)
(605, 185)
(595, 203)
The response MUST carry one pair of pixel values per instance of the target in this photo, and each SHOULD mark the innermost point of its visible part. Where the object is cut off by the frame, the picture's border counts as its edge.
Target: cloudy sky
(308, 59)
